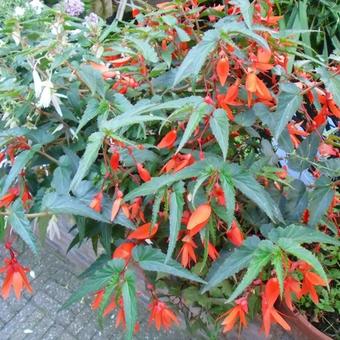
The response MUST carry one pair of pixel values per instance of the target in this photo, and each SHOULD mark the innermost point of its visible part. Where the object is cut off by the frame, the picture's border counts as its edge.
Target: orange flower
(237, 312)
(116, 205)
(96, 203)
(230, 98)
(144, 232)
(7, 199)
(222, 70)
(168, 140)
(269, 313)
(143, 173)
(291, 286)
(161, 315)
(187, 251)
(177, 163)
(294, 130)
(235, 235)
(198, 219)
(212, 251)
(15, 277)
(310, 280)
(123, 251)
(114, 161)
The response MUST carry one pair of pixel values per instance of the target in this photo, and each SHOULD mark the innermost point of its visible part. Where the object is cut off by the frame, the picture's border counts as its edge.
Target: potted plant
(190, 148)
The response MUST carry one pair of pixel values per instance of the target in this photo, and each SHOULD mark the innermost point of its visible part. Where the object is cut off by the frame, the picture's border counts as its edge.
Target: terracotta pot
(302, 329)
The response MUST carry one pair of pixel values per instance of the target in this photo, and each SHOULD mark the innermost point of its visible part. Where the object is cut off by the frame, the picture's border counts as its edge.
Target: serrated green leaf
(20, 162)
(254, 191)
(62, 204)
(301, 234)
(195, 118)
(303, 254)
(97, 281)
(289, 102)
(320, 200)
(246, 10)
(130, 303)
(21, 225)
(93, 79)
(195, 59)
(152, 259)
(231, 263)
(277, 263)
(145, 49)
(93, 109)
(156, 206)
(176, 211)
(219, 125)
(229, 195)
(95, 142)
(260, 258)
(332, 83)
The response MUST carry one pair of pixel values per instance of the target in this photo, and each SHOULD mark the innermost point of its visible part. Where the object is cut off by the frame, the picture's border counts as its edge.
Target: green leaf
(152, 186)
(246, 10)
(97, 281)
(229, 194)
(93, 79)
(219, 125)
(303, 18)
(145, 49)
(332, 83)
(289, 102)
(62, 204)
(277, 263)
(260, 258)
(93, 109)
(182, 35)
(108, 294)
(156, 206)
(300, 234)
(255, 192)
(130, 302)
(152, 259)
(20, 162)
(21, 225)
(90, 155)
(231, 263)
(176, 211)
(320, 200)
(195, 118)
(195, 59)
(301, 253)
(306, 152)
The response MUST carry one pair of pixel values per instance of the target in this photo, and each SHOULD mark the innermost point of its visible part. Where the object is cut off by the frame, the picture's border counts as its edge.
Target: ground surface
(37, 316)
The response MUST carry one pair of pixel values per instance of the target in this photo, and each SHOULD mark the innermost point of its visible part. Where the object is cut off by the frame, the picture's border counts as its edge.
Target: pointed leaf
(93, 79)
(130, 302)
(176, 212)
(195, 59)
(219, 125)
(231, 263)
(289, 102)
(303, 254)
(97, 281)
(246, 10)
(255, 192)
(20, 162)
(152, 259)
(62, 204)
(195, 118)
(277, 263)
(91, 152)
(260, 258)
(21, 225)
(229, 194)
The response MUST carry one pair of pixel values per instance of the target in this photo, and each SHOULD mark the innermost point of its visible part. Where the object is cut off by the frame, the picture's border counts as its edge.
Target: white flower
(19, 11)
(53, 228)
(37, 6)
(46, 94)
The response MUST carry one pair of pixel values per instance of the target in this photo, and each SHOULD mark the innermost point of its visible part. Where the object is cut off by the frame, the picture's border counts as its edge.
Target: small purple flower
(92, 19)
(74, 7)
